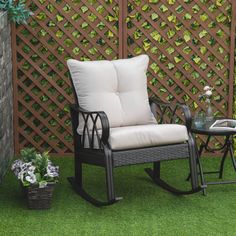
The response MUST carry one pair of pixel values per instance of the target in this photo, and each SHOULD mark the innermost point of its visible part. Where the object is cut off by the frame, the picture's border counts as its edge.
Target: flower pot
(39, 198)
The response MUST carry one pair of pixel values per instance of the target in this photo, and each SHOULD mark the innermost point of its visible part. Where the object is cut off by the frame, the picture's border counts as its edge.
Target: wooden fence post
(232, 60)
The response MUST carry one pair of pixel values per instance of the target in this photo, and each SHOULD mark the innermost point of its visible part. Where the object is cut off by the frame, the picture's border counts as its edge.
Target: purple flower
(16, 167)
(52, 171)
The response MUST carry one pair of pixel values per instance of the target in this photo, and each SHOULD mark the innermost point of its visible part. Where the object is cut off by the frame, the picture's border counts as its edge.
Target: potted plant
(17, 10)
(38, 176)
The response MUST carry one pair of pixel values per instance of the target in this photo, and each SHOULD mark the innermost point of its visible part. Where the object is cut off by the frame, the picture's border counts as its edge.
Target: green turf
(145, 210)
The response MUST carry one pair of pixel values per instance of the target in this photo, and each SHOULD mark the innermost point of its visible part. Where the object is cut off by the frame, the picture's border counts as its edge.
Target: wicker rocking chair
(115, 124)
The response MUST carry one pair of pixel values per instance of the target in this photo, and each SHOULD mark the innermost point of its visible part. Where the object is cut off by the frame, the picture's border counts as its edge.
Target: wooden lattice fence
(190, 44)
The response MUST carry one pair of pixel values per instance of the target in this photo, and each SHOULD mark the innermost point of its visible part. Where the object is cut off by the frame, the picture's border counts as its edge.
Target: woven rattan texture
(39, 198)
(190, 44)
(147, 155)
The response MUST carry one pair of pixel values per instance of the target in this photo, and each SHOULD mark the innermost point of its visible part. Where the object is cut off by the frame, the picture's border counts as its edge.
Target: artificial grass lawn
(145, 210)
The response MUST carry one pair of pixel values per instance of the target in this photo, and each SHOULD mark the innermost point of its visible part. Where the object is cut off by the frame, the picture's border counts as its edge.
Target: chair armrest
(94, 116)
(164, 107)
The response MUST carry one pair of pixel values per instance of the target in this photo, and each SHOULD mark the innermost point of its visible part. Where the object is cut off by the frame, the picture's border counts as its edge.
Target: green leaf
(171, 18)
(154, 16)
(203, 33)
(203, 50)
(163, 90)
(171, 2)
(84, 25)
(197, 59)
(84, 9)
(170, 50)
(204, 17)
(101, 25)
(93, 51)
(195, 75)
(163, 24)
(108, 51)
(137, 34)
(220, 33)
(219, 66)
(110, 34)
(146, 25)
(100, 9)
(41, 16)
(170, 66)
(92, 17)
(203, 66)
(219, 3)
(138, 50)
(59, 34)
(187, 50)
(163, 8)
(187, 16)
(187, 66)
(195, 25)
(195, 105)
(111, 18)
(178, 42)
(177, 59)
(154, 67)
(221, 50)
(187, 36)
(179, 9)
(145, 7)
(171, 33)
(178, 26)
(196, 9)
(178, 74)
(154, 81)
(59, 18)
(154, 50)
(221, 18)
(156, 36)
(146, 45)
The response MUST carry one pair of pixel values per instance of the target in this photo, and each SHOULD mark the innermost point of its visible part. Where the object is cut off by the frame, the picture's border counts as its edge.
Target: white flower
(208, 93)
(21, 175)
(207, 88)
(31, 178)
(31, 169)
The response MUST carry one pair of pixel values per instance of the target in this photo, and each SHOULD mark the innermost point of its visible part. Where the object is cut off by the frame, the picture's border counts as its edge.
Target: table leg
(223, 162)
(203, 183)
(231, 151)
(229, 148)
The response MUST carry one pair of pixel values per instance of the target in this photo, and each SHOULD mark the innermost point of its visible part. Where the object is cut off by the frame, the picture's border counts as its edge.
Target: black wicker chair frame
(110, 159)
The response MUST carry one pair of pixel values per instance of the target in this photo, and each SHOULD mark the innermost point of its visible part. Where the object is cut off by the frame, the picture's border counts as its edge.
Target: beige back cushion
(119, 88)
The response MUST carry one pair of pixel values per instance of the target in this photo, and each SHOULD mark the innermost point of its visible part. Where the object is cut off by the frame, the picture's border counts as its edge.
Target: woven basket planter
(39, 198)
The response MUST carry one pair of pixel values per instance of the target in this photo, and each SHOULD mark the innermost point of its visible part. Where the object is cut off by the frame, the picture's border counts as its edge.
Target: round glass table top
(205, 129)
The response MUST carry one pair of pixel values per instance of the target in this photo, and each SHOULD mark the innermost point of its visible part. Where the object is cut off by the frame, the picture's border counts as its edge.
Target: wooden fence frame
(122, 52)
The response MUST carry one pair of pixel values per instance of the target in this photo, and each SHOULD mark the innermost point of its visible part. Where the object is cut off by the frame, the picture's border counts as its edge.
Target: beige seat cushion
(140, 136)
(119, 88)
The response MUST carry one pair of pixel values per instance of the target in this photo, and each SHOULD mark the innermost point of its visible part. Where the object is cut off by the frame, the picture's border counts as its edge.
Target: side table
(227, 147)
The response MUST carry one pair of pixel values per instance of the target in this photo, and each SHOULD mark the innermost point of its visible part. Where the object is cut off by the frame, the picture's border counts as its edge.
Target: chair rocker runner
(115, 124)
